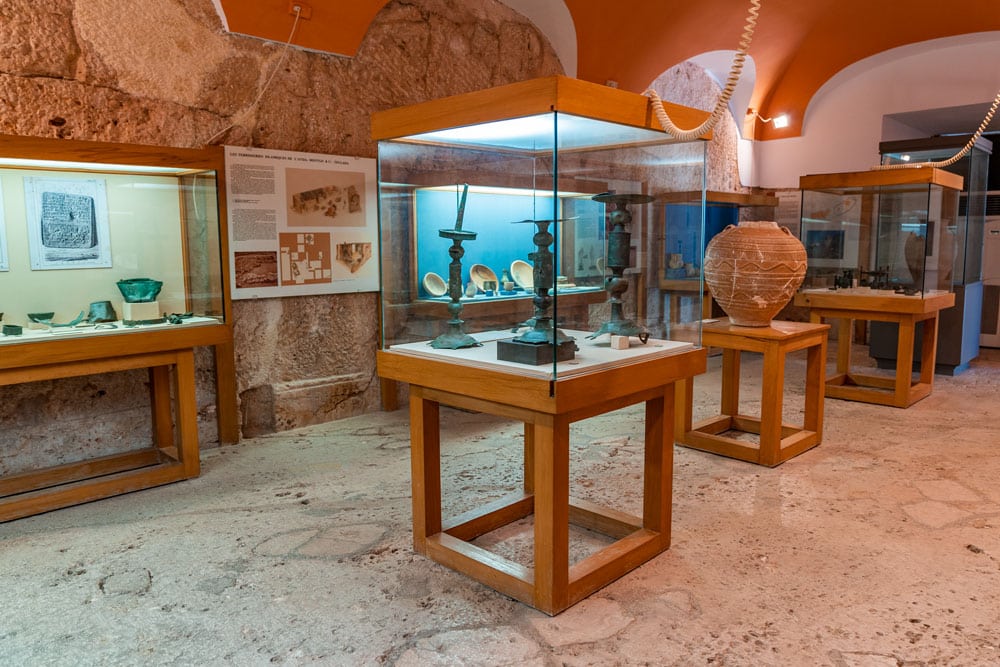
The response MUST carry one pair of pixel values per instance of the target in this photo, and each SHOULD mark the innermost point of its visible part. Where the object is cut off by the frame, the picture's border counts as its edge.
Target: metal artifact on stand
(542, 343)
(455, 338)
(619, 246)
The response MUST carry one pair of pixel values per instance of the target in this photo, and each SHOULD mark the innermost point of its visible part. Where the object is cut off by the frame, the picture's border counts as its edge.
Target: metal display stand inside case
(163, 219)
(536, 150)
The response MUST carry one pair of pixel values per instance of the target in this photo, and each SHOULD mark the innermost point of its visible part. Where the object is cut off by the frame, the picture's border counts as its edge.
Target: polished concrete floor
(880, 547)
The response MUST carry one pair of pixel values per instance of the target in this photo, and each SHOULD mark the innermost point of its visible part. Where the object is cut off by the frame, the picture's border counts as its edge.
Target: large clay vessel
(753, 269)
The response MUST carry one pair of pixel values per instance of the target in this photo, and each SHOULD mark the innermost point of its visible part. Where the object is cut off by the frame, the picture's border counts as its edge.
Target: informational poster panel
(300, 223)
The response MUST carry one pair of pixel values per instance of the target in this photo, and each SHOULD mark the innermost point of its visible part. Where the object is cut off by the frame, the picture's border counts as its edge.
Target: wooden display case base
(173, 457)
(848, 305)
(549, 583)
(777, 441)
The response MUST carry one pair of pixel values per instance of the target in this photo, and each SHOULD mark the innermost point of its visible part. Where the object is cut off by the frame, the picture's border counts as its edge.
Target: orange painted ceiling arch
(798, 45)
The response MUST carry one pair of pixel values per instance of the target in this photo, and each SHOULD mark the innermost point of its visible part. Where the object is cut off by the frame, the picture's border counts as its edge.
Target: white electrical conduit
(727, 90)
(246, 111)
(957, 156)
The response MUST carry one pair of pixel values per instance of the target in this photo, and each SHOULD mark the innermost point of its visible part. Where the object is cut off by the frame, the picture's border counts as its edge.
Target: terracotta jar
(753, 269)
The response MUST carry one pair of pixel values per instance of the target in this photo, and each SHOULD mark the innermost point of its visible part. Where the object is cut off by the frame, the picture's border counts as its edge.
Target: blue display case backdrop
(683, 229)
(491, 215)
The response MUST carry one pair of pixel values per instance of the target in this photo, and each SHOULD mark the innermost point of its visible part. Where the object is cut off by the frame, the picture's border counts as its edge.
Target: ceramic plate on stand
(480, 273)
(434, 284)
(523, 274)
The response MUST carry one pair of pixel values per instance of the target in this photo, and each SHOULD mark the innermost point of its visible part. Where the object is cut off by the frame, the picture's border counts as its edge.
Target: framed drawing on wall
(67, 223)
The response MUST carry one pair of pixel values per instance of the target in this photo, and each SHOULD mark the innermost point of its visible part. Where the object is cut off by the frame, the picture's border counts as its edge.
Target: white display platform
(49, 333)
(870, 291)
(592, 355)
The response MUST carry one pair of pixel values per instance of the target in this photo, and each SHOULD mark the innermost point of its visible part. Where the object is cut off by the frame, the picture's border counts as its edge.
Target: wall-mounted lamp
(779, 121)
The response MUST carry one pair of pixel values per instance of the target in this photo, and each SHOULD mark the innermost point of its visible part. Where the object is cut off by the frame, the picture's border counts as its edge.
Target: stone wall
(164, 72)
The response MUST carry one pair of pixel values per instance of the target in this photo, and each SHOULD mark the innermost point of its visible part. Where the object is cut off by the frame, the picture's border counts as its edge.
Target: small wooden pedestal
(866, 304)
(778, 442)
(551, 584)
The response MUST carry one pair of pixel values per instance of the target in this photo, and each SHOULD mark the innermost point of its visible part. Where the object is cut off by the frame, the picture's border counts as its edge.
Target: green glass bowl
(139, 290)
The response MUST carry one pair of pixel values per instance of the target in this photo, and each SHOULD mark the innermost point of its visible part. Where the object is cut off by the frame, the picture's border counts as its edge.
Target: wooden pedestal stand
(546, 408)
(778, 442)
(865, 304)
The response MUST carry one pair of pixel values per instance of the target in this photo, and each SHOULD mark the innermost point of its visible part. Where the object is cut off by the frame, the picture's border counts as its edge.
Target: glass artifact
(139, 290)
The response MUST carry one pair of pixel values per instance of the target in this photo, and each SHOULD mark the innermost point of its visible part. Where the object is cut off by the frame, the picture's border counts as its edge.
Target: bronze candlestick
(619, 243)
(536, 345)
(455, 338)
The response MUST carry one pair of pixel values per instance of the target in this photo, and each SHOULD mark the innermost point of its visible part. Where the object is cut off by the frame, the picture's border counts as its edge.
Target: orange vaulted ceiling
(798, 44)
(334, 26)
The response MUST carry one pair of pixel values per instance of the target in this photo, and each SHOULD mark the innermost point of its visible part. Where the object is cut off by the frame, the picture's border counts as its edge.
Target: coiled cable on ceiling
(727, 90)
(957, 156)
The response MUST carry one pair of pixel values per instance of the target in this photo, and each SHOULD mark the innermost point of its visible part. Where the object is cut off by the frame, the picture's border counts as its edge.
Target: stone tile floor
(879, 547)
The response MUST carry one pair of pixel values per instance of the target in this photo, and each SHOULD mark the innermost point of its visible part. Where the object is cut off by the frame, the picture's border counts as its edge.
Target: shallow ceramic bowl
(523, 274)
(434, 284)
(139, 290)
(480, 273)
(41, 318)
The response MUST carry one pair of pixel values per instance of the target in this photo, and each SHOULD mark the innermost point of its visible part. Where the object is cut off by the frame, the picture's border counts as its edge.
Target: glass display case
(892, 231)
(105, 242)
(960, 327)
(112, 260)
(880, 249)
(520, 244)
(532, 228)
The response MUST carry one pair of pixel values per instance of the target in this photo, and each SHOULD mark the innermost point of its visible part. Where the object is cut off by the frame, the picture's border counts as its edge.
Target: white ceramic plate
(480, 273)
(434, 284)
(523, 274)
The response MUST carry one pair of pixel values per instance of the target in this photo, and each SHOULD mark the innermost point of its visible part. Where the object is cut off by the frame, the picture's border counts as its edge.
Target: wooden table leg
(730, 382)
(928, 350)
(771, 398)
(683, 408)
(815, 387)
(425, 465)
(551, 560)
(845, 341)
(159, 400)
(529, 458)
(904, 362)
(187, 413)
(659, 465)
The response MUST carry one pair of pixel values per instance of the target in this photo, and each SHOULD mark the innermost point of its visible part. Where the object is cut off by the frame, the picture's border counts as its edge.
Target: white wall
(843, 123)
